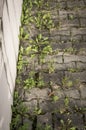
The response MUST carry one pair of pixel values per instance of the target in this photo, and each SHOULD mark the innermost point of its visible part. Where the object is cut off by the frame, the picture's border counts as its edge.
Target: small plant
(20, 60)
(55, 98)
(47, 127)
(23, 34)
(66, 101)
(38, 3)
(70, 50)
(43, 21)
(73, 128)
(19, 111)
(67, 82)
(71, 16)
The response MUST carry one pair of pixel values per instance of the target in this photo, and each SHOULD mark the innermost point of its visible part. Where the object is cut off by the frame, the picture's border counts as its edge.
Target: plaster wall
(10, 12)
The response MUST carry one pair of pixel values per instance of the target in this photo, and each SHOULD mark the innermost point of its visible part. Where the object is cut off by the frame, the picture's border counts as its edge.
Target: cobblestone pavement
(68, 110)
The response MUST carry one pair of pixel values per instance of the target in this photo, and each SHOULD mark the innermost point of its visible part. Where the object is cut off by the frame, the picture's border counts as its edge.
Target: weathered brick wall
(10, 12)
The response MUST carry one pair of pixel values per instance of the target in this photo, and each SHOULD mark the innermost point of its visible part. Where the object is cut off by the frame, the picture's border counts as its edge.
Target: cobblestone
(73, 94)
(79, 31)
(57, 102)
(83, 91)
(71, 58)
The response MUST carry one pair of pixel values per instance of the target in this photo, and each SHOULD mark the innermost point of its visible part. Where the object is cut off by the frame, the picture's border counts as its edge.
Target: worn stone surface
(61, 104)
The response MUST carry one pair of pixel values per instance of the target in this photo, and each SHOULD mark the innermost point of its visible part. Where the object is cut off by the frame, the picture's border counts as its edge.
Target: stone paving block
(73, 4)
(70, 23)
(44, 120)
(54, 39)
(63, 14)
(61, 32)
(77, 120)
(54, 77)
(62, 45)
(54, 14)
(82, 89)
(72, 94)
(73, 23)
(56, 58)
(71, 58)
(80, 45)
(84, 37)
(83, 22)
(62, 5)
(36, 94)
(31, 105)
(58, 105)
(59, 93)
(65, 66)
(73, 103)
(77, 76)
(81, 65)
(78, 31)
(45, 105)
(57, 77)
(83, 103)
(76, 39)
(66, 39)
(28, 122)
(82, 11)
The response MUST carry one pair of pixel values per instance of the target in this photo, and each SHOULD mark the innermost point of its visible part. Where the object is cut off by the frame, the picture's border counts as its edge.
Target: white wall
(9, 30)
